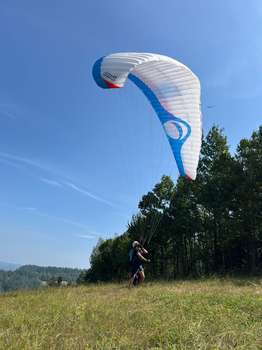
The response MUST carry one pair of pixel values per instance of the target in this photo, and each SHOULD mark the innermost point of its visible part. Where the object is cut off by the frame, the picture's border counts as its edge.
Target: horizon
(22, 264)
(75, 160)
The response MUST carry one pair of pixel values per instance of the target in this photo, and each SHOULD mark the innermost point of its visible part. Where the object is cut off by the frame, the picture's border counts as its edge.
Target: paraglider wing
(173, 91)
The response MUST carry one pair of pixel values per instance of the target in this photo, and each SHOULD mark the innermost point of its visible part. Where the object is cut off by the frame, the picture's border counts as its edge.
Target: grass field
(205, 314)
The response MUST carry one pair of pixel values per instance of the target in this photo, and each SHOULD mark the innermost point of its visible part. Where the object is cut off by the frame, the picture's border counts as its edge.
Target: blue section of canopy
(97, 74)
(164, 116)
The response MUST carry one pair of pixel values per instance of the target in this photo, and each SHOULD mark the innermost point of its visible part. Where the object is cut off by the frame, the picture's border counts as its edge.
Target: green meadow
(202, 314)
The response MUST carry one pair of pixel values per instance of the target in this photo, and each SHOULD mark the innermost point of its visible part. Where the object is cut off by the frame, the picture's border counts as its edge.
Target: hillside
(204, 314)
(32, 276)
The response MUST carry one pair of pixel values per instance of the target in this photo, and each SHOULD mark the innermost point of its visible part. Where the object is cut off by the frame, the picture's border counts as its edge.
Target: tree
(249, 212)
(211, 225)
(216, 193)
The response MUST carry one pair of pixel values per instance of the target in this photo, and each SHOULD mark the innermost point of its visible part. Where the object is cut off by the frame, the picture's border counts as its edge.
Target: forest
(210, 226)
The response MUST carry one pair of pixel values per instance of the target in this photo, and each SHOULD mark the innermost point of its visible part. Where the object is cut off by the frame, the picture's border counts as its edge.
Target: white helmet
(135, 244)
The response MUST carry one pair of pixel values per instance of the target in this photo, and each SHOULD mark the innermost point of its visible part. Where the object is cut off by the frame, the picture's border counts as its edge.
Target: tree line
(212, 225)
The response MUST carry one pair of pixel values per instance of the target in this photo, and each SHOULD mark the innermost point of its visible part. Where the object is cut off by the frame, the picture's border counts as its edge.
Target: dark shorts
(135, 268)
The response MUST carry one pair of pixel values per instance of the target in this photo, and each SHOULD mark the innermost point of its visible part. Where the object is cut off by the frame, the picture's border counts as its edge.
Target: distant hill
(6, 266)
(32, 276)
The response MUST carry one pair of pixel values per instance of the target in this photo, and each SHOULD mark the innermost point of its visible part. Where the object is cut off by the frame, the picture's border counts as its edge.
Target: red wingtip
(111, 85)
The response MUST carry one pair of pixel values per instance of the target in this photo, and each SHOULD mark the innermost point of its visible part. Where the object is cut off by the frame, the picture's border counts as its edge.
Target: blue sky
(75, 159)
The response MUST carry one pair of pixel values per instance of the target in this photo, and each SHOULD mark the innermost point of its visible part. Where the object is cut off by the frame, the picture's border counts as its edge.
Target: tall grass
(208, 314)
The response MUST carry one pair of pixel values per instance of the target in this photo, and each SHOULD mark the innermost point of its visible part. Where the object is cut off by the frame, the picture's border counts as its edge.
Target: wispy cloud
(87, 193)
(25, 161)
(64, 220)
(28, 208)
(60, 182)
(35, 211)
(51, 182)
(87, 236)
(10, 163)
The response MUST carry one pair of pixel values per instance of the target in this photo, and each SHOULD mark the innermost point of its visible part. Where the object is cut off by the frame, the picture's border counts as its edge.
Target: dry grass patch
(209, 314)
